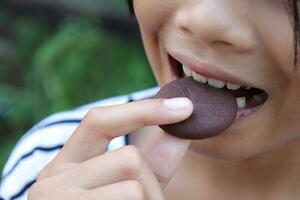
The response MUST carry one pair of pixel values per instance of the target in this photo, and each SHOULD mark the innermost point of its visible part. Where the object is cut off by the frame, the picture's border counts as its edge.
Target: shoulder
(42, 143)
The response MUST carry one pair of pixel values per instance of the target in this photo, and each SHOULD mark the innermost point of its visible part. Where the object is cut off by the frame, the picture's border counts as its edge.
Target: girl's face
(247, 42)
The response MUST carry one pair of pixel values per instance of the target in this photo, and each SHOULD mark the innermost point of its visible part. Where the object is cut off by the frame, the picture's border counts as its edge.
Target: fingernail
(177, 103)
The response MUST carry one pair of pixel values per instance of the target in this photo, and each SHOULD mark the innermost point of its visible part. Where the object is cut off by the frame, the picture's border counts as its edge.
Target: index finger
(102, 124)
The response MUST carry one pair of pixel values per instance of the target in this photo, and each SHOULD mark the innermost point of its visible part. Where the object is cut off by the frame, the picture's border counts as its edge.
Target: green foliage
(58, 68)
(81, 63)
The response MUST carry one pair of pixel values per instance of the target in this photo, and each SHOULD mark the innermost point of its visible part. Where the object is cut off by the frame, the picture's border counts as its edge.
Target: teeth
(187, 71)
(216, 83)
(232, 86)
(241, 102)
(212, 82)
(199, 78)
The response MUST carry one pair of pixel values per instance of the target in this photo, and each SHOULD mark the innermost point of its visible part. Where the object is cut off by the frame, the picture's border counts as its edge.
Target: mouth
(249, 99)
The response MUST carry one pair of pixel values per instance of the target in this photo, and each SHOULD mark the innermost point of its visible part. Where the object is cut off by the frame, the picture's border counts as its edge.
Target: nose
(216, 24)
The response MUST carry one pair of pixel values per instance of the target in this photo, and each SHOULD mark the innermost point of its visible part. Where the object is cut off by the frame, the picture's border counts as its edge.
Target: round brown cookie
(214, 109)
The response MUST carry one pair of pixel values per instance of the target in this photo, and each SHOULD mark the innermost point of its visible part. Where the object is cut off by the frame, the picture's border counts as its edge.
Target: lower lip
(245, 112)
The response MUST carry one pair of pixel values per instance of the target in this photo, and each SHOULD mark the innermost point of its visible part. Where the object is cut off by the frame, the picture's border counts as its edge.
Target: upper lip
(205, 69)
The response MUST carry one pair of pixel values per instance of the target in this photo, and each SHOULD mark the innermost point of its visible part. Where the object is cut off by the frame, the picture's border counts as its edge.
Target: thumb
(164, 154)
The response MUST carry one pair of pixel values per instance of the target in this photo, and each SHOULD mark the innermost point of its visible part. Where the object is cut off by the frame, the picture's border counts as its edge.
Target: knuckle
(95, 119)
(136, 190)
(133, 161)
(92, 117)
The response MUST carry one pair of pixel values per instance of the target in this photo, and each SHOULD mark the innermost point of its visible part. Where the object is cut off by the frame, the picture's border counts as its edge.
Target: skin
(252, 40)
(256, 158)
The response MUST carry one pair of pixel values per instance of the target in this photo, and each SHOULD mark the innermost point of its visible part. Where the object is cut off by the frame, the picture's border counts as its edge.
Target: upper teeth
(199, 77)
(212, 82)
(216, 83)
(241, 101)
(233, 86)
(187, 71)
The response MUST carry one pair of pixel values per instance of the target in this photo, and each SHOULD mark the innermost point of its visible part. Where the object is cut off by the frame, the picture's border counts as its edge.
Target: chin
(213, 151)
(234, 145)
(262, 144)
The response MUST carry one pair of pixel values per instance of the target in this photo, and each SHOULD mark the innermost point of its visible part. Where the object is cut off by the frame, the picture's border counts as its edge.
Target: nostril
(185, 30)
(182, 21)
(222, 43)
(197, 22)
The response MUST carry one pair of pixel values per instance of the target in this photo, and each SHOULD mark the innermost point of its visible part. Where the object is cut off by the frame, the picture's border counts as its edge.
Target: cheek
(276, 32)
(152, 14)
(280, 44)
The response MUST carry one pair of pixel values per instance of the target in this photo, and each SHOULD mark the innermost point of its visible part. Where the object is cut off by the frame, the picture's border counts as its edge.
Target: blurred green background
(56, 55)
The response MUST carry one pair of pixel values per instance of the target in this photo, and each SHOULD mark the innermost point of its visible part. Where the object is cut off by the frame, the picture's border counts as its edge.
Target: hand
(84, 170)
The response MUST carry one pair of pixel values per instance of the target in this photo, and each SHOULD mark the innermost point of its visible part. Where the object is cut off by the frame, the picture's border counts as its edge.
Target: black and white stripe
(42, 143)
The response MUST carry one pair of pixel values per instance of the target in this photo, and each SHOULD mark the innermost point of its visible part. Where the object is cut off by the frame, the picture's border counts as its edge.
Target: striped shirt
(42, 143)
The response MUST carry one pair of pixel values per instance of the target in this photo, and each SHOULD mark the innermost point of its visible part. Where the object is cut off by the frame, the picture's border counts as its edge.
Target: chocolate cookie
(214, 109)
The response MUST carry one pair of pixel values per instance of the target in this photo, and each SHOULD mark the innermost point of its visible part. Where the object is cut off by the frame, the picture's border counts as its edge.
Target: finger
(102, 124)
(126, 190)
(126, 163)
(164, 155)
